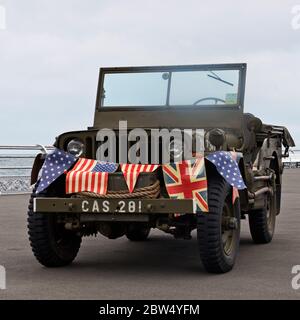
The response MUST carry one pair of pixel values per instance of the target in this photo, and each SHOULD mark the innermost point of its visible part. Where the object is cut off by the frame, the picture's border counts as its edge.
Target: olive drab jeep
(170, 148)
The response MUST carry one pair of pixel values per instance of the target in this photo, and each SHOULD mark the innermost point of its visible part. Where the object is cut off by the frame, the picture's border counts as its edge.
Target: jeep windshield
(170, 87)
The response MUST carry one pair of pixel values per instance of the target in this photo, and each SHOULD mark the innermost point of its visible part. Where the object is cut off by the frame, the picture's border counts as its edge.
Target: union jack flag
(187, 180)
(131, 172)
(89, 175)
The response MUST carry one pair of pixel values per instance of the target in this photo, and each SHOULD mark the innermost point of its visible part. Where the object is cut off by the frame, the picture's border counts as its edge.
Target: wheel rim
(228, 234)
(270, 215)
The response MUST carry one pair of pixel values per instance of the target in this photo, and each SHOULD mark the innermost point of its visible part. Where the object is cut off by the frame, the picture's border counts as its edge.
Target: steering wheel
(209, 98)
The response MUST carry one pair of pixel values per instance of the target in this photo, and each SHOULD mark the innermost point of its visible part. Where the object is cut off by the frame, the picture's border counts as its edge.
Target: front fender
(37, 165)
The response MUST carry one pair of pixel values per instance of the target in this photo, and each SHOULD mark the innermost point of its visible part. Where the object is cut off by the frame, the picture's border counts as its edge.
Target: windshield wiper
(215, 76)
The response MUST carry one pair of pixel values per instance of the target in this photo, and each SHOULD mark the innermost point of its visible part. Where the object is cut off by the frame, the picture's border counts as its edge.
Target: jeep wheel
(136, 232)
(51, 243)
(218, 231)
(262, 222)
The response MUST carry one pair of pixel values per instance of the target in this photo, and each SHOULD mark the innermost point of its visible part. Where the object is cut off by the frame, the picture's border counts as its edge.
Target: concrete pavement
(161, 268)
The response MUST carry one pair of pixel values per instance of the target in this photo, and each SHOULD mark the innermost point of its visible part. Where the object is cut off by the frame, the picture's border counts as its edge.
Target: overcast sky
(51, 51)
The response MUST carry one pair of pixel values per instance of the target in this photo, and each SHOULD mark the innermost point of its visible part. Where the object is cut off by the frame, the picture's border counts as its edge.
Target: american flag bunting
(228, 168)
(235, 191)
(131, 172)
(56, 163)
(89, 175)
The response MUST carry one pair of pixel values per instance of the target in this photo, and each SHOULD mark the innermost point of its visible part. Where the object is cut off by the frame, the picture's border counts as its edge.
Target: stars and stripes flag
(89, 175)
(227, 166)
(54, 166)
(131, 172)
(187, 180)
(235, 191)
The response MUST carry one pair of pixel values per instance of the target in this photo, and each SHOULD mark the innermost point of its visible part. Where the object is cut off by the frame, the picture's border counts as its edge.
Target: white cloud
(51, 51)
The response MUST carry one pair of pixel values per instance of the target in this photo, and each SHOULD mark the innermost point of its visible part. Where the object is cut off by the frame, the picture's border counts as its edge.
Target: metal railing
(32, 147)
(293, 161)
(18, 182)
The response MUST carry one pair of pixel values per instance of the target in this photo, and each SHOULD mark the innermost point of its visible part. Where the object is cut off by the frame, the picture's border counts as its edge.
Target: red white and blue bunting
(184, 180)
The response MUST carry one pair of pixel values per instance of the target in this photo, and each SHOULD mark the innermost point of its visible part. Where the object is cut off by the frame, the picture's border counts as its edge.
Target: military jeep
(207, 98)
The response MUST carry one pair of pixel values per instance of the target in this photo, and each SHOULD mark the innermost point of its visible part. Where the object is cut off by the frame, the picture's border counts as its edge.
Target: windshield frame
(241, 67)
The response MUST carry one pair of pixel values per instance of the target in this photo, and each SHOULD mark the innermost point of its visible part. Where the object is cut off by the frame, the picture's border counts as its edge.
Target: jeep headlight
(176, 150)
(216, 137)
(75, 147)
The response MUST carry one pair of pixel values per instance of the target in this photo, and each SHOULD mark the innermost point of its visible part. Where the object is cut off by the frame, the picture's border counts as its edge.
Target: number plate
(111, 206)
(127, 206)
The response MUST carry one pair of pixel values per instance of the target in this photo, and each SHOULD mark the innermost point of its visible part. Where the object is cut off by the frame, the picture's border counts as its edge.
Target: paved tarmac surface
(161, 268)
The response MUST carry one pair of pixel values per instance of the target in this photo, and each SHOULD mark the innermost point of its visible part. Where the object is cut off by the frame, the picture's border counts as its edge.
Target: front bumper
(111, 206)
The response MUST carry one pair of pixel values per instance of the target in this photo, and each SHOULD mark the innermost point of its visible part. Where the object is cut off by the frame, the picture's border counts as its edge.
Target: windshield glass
(171, 88)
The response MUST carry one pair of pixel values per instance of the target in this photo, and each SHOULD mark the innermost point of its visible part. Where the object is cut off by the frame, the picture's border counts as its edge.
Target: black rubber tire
(136, 232)
(48, 250)
(258, 223)
(209, 227)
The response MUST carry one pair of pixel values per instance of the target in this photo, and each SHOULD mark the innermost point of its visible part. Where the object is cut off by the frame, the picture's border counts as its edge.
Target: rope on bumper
(149, 192)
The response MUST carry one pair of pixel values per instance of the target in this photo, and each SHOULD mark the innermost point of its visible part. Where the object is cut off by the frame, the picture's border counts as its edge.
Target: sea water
(14, 179)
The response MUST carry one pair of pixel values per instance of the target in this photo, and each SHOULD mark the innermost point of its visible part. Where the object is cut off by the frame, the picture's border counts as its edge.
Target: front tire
(51, 243)
(218, 231)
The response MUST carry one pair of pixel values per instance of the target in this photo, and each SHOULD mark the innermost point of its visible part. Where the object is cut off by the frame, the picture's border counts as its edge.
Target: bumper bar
(126, 206)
